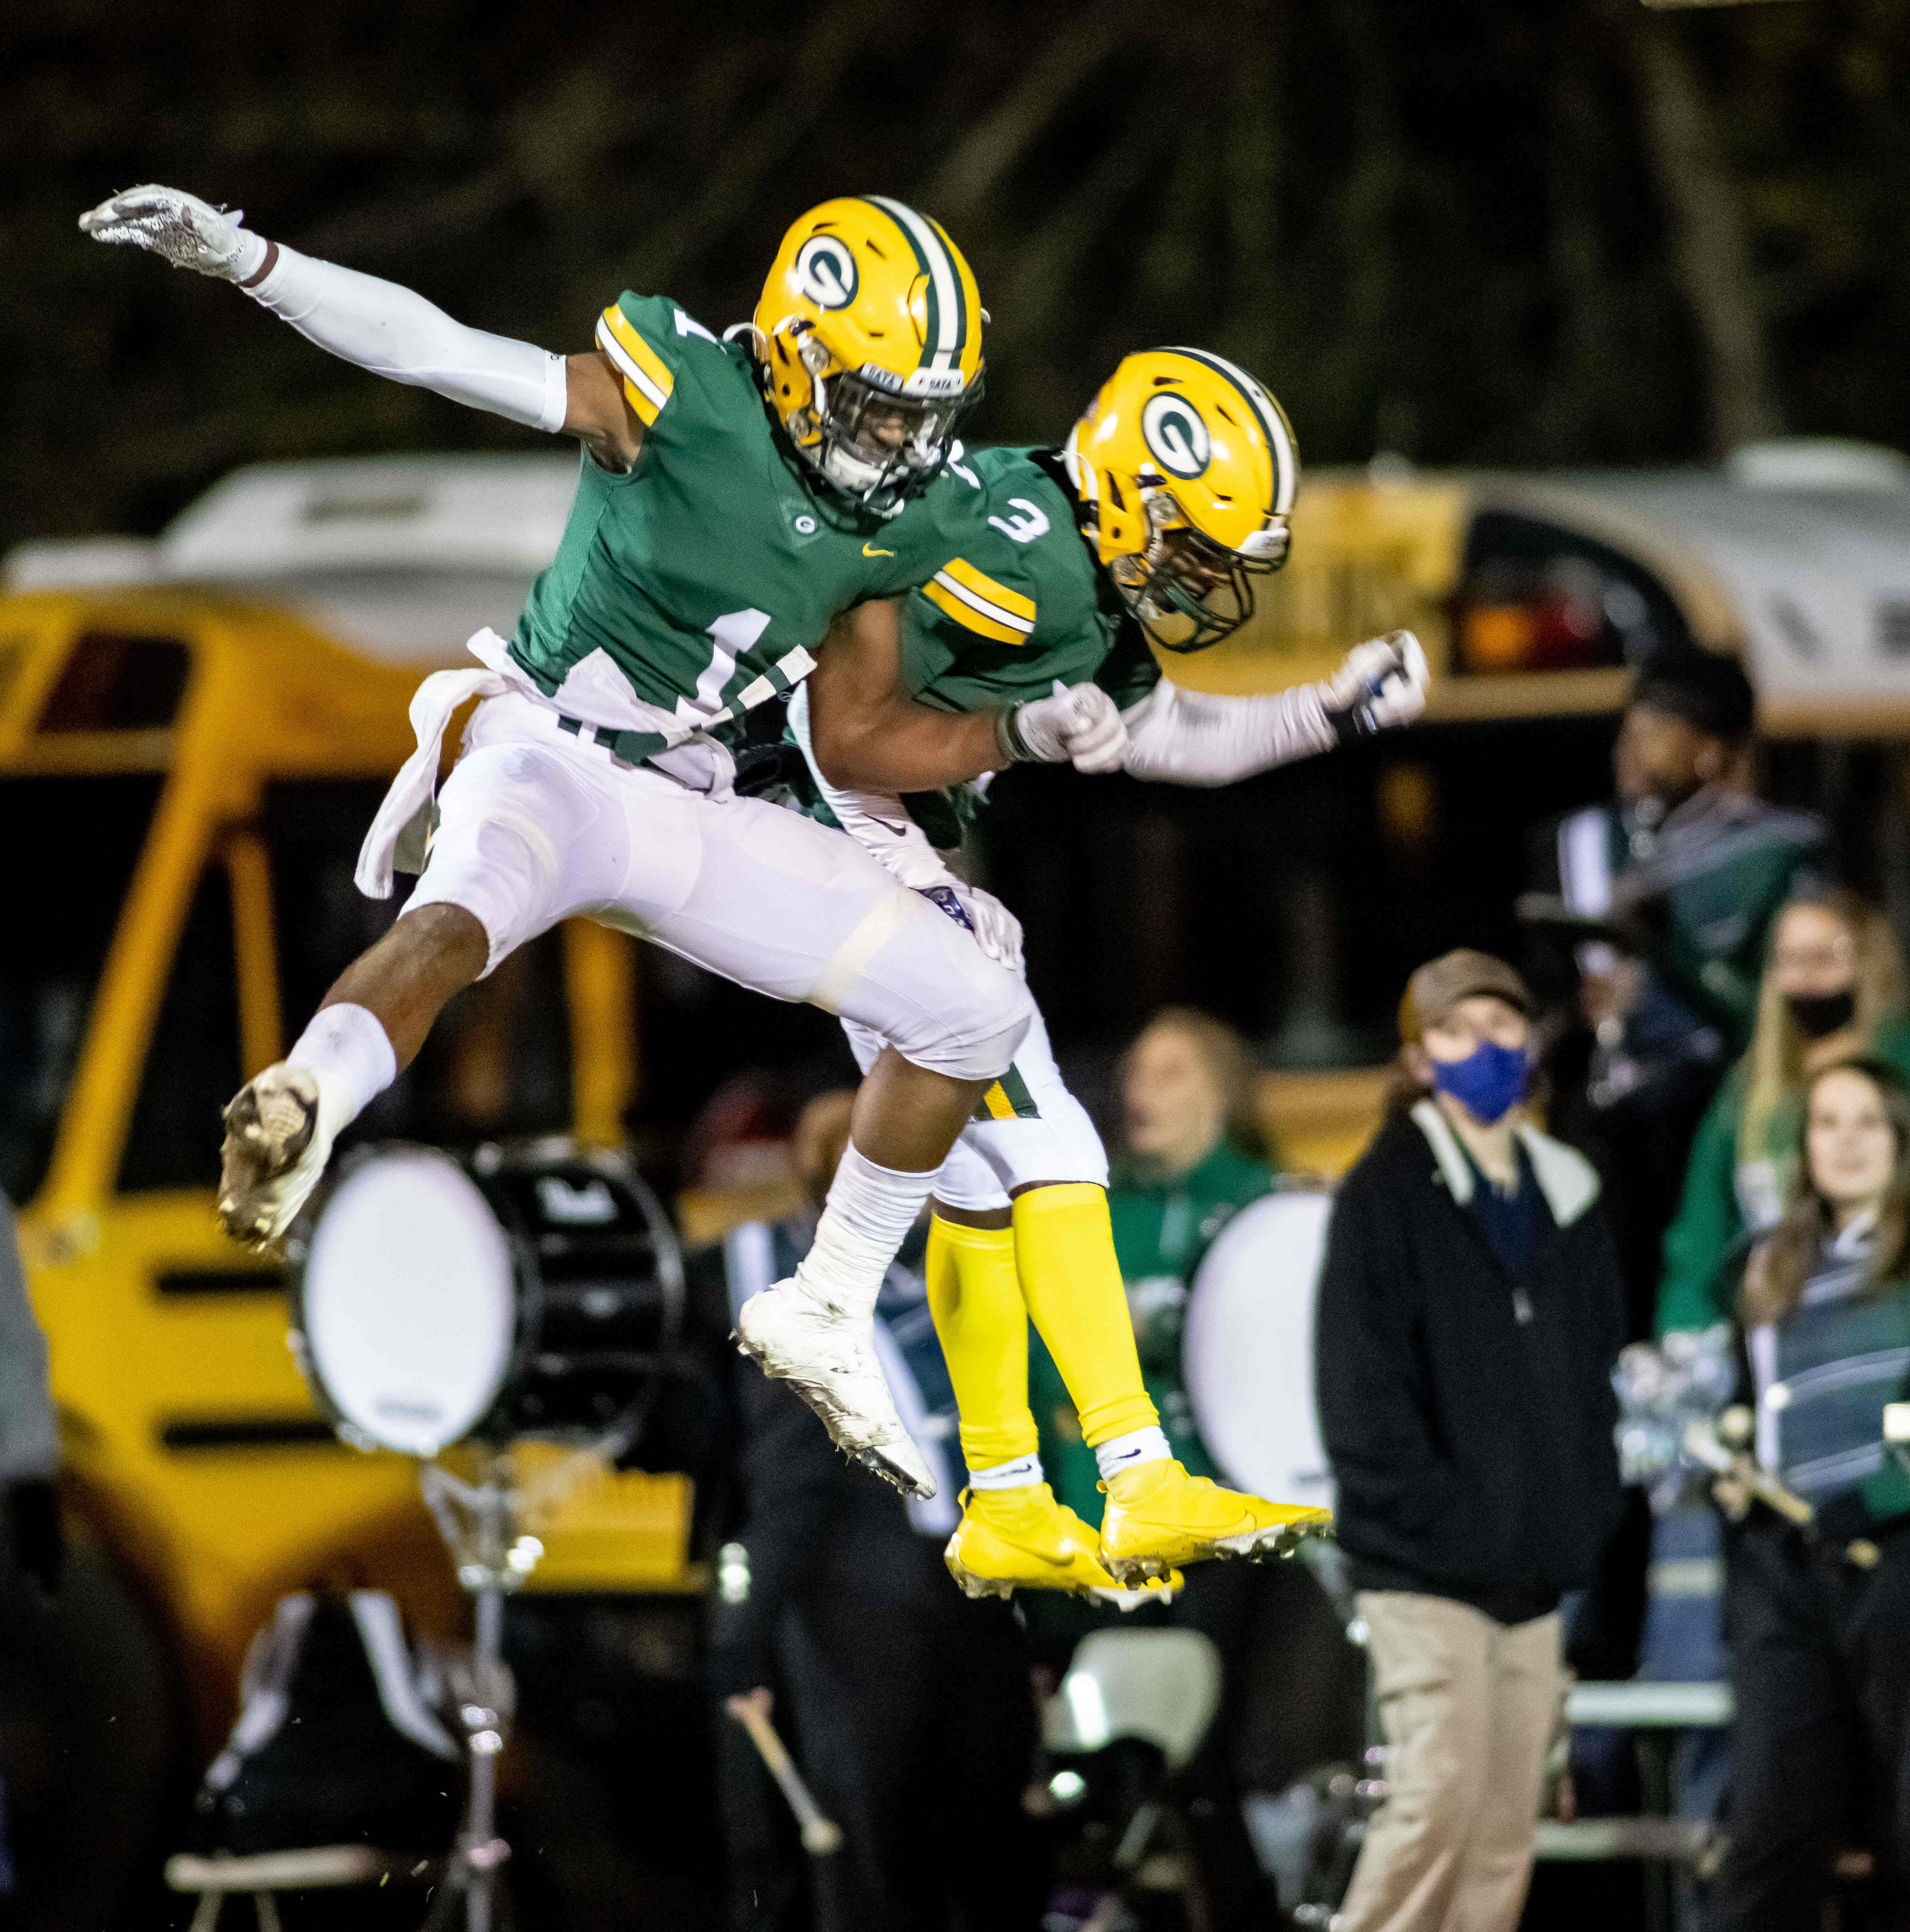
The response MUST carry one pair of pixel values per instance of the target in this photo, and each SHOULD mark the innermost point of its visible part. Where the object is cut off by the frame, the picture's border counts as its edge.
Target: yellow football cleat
(1158, 1515)
(1022, 1539)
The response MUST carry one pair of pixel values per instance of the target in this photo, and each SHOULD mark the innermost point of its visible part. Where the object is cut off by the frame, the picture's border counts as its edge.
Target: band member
(908, 1706)
(1691, 869)
(1833, 989)
(1820, 1617)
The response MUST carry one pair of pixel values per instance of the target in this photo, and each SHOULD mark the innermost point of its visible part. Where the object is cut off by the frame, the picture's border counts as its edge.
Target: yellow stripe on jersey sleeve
(647, 381)
(973, 598)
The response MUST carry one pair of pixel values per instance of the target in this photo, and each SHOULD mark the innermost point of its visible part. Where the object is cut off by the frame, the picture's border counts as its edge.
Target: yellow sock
(975, 1296)
(1064, 1249)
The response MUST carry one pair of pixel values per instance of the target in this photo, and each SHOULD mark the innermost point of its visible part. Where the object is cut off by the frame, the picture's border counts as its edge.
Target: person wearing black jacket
(1470, 1310)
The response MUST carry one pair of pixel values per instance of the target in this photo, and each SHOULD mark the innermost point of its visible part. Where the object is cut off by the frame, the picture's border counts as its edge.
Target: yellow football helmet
(1186, 469)
(869, 334)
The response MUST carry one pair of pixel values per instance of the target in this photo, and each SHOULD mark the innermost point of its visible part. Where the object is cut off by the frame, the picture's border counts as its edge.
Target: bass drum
(1247, 1349)
(535, 1291)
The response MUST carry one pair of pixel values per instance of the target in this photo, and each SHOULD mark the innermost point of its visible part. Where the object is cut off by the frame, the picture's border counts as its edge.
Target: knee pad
(492, 856)
(979, 1029)
(1057, 1145)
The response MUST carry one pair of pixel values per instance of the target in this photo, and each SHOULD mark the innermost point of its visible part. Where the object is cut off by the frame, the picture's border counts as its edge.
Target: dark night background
(1468, 230)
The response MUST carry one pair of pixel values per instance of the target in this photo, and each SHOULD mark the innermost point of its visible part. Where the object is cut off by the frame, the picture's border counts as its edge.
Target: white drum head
(1247, 1349)
(410, 1302)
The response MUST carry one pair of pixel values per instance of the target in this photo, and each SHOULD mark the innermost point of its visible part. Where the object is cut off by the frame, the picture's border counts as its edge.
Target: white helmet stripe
(942, 274)
(1286, 465)
(1081, 472)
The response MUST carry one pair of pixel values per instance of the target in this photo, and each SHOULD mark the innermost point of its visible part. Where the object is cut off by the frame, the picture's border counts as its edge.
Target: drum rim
(479, 1166)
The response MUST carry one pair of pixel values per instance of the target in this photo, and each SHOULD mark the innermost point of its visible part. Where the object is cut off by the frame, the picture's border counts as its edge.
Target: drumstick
(820, 1836)
(1701, 1445)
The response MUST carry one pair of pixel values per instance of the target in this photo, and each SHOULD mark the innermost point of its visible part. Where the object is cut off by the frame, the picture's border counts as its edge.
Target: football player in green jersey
(1151, 527)
(734, 496)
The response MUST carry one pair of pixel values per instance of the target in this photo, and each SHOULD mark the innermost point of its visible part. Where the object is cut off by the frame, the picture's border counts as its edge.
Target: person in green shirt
(1833, 986)
(1196, 1154)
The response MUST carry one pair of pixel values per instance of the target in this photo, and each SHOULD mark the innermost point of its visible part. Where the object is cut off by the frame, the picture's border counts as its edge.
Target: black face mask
(1817, 1015)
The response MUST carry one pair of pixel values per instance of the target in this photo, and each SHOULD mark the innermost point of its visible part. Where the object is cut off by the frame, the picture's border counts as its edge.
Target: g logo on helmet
(826, 272)
(1175, 433)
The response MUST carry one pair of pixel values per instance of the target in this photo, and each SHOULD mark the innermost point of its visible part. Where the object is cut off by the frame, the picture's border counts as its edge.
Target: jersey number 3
(1028, 523)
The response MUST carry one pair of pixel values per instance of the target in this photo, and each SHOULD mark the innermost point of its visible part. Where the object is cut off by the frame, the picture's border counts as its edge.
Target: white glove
(1382, 684)
(998, 932)
(377, 325)
(1080, 724)
(189, 233)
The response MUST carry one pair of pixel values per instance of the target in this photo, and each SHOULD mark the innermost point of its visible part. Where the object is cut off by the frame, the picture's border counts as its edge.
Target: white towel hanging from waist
(432, 704)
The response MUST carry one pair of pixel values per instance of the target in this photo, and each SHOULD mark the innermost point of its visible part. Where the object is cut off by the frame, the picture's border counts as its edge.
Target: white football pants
(536, 825)
(1029, 1130)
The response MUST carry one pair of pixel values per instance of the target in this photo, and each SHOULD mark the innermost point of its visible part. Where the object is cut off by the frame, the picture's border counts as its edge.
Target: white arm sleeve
(877, 821)
(1194, 737)
(394, 332)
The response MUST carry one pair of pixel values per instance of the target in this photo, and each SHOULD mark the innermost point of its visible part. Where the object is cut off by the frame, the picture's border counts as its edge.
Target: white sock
(347, 1051)
(1021, 1474)
(1130, 1451)
(866, 1217)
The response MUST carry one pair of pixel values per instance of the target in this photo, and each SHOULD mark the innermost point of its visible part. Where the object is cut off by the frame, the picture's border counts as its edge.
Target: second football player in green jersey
(1146, 532)
(1025, 603)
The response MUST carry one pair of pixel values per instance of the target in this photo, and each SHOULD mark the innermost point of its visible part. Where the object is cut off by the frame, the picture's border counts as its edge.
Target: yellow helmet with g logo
(870, 335)
(1186, 469)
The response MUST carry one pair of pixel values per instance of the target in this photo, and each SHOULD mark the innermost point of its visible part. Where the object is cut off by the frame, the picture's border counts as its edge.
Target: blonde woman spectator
(1832, 987)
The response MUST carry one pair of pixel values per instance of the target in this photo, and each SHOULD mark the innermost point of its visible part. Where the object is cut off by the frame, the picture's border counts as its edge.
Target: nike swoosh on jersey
(868, 552)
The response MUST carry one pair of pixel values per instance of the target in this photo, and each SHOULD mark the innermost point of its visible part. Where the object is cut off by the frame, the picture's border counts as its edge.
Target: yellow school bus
(185, 769)
(1536, 597)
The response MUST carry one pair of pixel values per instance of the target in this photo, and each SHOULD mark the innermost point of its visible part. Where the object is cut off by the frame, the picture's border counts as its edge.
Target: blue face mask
(1490, 1082)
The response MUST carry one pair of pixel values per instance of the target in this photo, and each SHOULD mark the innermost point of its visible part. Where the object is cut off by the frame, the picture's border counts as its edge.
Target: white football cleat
(829, 1359)
(275, 1150)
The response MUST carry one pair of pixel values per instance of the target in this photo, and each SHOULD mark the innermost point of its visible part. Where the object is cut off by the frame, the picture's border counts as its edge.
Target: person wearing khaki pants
(1469, 1313)
(1467, 1707)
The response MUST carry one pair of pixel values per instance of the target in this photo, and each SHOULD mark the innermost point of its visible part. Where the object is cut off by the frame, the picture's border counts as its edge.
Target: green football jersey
(1022, 602)
(1019, 602)
(698, 584)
